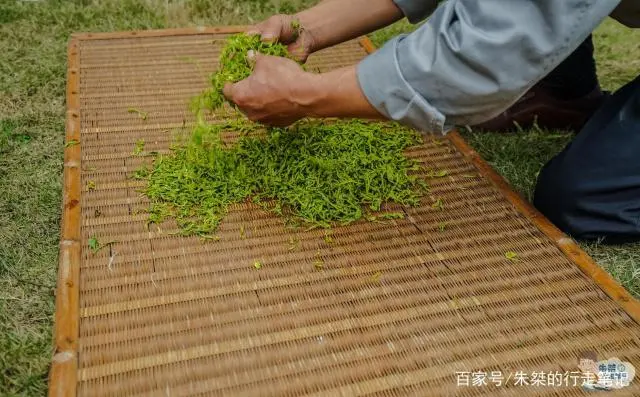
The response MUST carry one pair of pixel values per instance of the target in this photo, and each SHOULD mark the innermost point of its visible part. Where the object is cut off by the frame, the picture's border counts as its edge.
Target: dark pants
(591, 190)
(575, 76)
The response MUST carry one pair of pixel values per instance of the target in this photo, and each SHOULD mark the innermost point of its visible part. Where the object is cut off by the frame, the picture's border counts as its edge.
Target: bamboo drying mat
(398, 308)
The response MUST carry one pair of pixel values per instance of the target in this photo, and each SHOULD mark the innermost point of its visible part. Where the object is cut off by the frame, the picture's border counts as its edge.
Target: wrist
(333, 94)
(309, 93)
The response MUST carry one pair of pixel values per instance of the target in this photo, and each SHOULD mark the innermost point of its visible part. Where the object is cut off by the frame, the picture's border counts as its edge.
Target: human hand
(287, 30)
(276, 92)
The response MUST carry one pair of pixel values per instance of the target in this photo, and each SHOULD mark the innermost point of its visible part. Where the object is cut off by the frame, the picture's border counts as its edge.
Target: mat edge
(64, 364)
(565, 243)
(158, 32)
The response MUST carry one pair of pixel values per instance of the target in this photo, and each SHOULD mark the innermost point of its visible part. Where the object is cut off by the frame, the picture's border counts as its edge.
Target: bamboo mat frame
(63, 371)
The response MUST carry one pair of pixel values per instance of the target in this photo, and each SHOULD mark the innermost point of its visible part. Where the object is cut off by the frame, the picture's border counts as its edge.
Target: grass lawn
(33, 37)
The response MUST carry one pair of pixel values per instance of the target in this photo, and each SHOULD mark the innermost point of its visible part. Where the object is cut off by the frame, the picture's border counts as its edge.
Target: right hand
(282, 28)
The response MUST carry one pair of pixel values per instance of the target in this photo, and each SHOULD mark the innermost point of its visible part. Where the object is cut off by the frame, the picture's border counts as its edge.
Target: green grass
(33, 37)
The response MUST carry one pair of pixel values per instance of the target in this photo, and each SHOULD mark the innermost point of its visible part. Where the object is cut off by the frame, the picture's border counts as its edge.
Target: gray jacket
(474, 58)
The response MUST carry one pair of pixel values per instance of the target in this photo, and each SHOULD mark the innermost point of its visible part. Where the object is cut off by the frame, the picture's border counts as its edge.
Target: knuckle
(274, 22)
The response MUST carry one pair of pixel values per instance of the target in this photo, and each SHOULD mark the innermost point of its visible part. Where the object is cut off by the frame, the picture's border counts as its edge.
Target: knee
(579, 209)
(557, 196)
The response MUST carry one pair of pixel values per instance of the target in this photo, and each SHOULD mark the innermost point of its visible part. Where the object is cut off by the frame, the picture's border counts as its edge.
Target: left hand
(274, 93)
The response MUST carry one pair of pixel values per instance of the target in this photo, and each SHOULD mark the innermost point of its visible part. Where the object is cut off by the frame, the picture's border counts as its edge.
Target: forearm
(332, 22)
(335, 94)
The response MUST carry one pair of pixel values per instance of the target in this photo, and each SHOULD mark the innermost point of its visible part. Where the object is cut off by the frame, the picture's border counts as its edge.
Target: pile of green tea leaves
(319, 173)
(234, 66)
(316, 173)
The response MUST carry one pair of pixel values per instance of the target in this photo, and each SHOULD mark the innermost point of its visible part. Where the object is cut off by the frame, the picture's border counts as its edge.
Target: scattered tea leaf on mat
(94, 244)
(512, 256)
(441, 173)
(376, 277)
(72, 142)
(442, 226)
(438, 205)
(139, 148)
(327, 237)
(91, 185)
(437, 173)
(294, 244)
(141, 114)
(257, 265)
(391, 215)
(318, 262)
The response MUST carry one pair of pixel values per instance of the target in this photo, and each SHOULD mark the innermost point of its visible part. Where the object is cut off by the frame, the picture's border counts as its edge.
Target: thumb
(255, 58)
(271, 29)
(229, 90)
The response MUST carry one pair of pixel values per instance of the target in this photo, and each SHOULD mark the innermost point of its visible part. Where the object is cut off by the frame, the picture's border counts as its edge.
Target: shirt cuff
(385, 87)
(416, 11)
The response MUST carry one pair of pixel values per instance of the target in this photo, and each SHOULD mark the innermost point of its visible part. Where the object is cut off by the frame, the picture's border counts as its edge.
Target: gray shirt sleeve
(473, 58)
